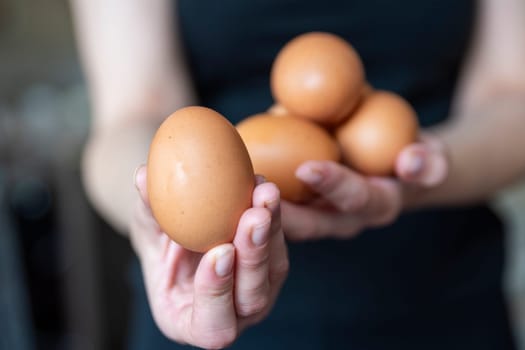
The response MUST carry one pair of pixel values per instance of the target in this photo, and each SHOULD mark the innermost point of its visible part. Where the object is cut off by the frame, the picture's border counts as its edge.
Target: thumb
(140, 181)
(213, 319)
(422, 164)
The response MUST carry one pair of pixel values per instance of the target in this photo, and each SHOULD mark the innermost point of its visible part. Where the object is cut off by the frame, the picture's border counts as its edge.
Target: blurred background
(63, 272)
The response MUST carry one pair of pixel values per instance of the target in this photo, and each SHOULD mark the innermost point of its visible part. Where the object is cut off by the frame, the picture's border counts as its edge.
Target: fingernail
(309, 174)
(260, 234)
(224, 261)
(415, 164)
(271, 204)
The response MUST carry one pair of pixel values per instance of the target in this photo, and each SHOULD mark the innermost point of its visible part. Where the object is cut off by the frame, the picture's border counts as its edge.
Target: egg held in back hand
(279, 145)
(200, 178)
(374, 135)
(318, 76)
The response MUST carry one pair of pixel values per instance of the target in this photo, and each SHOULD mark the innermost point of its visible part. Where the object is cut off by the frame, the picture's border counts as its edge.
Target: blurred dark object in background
(31, 210)
(15, 319)
(71, 266)
(63, 280)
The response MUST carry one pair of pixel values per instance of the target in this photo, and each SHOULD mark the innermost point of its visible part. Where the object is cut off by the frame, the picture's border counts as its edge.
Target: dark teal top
(432, 280)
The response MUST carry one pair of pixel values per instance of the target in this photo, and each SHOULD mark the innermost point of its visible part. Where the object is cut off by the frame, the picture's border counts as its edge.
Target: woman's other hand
(349, 202)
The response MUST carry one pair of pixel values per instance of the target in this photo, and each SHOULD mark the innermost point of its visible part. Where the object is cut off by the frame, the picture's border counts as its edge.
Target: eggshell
(277, 146)
(200, 178)
(373, 136)
(318, 76)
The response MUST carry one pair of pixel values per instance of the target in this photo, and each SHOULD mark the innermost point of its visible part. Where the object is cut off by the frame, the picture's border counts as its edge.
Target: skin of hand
(349, 202)
(206, 300)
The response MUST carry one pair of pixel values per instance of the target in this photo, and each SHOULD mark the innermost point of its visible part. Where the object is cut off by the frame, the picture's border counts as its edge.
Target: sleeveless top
(433, 279)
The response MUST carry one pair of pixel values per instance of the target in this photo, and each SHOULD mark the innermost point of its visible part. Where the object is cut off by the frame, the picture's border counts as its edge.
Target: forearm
(486, 149)
(136, 73)
(109, 161)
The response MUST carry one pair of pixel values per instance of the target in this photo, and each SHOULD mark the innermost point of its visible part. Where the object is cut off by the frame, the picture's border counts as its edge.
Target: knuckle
(327, 185)
(219, 292)
(357, 198)
(256, 262)
(254, 306)
(360, 198)
(331, 183)
(351, 203)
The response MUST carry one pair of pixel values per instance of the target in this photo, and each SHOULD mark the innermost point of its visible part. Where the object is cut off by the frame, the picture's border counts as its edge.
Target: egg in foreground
(200, 178)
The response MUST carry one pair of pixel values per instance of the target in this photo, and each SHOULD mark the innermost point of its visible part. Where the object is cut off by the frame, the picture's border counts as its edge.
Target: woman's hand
(348, 202)
(206, 300)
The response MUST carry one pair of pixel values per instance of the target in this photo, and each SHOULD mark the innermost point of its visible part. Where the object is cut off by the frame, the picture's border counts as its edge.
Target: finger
(279, 262)
(267, 195)
(344, 189)
(382, 206)
(385, 202)
(278, 271)
(150, 237)
(178, 263)
(305, 223)
(422, 164)
(140, 181)
(213, 322)
(145, 233)
(253, 251)
(361, 202)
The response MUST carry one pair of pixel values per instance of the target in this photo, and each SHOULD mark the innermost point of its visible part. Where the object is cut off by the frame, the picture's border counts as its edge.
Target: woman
(430, 277)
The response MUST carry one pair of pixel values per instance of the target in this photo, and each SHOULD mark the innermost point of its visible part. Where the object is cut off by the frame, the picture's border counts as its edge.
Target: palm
(171, 283)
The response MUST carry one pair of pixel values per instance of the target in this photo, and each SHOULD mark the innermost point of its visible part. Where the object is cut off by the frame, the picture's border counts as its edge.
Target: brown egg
(373, 136)
(277, 146)
(200, 178)
(318, 76)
